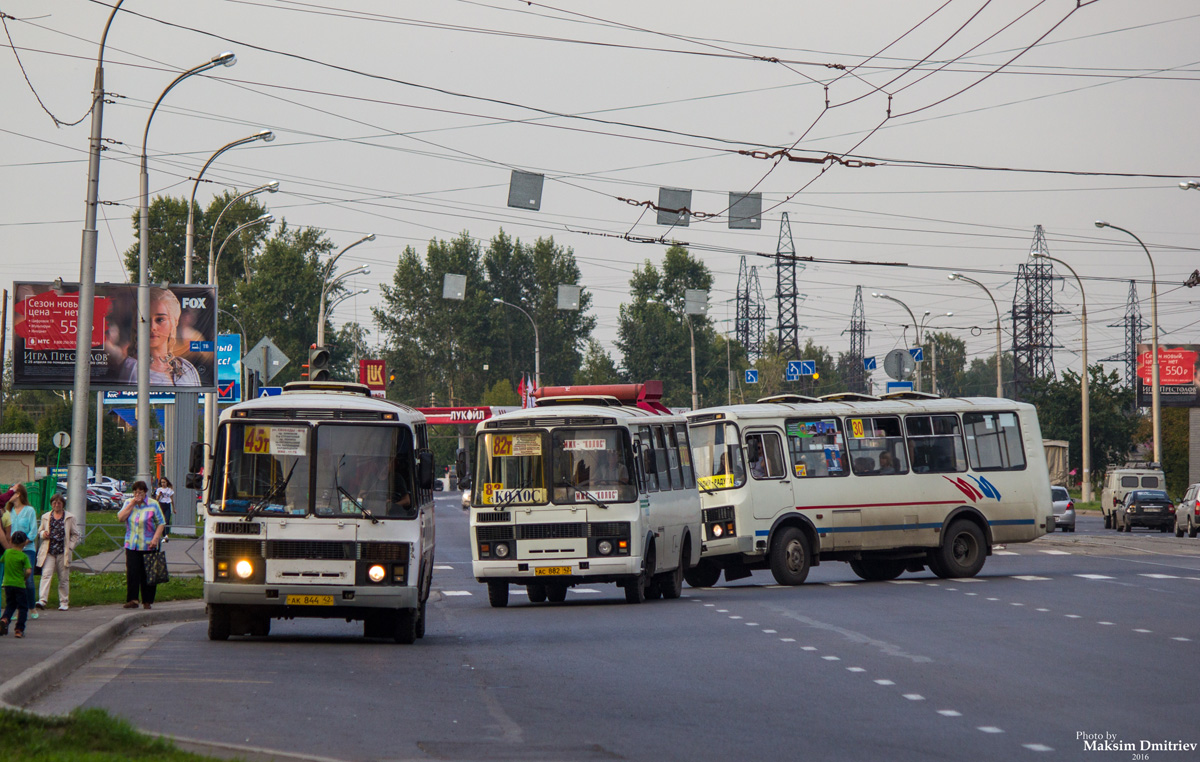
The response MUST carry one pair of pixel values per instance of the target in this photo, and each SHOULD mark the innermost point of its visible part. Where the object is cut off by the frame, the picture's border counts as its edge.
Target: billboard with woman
(182, 336)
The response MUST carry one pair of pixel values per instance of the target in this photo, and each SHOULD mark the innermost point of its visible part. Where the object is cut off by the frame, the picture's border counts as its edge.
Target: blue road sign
(270, 391)
(899, 386)
(752, 376)
(808, 367)
(229, 391)
(793, 371)
(917, 353)
(868, 363)
(160, 448)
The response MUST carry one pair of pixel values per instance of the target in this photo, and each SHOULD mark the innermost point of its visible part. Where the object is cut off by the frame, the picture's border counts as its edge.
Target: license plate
(310, 600)
(1152, 509)
(552, 571)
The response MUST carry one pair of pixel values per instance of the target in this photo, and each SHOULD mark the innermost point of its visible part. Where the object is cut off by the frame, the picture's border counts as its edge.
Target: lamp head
(265, 136)
(497, 300)
(953, 276)
(1101, 224)
(876, 295)
(266, 219)
(272, 186)
(369, 237)
(927, 312)
(225, 59)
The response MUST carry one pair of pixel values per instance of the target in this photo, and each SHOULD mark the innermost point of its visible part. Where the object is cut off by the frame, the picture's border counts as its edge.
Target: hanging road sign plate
(899, 364)
(752, 376)
(275, 360)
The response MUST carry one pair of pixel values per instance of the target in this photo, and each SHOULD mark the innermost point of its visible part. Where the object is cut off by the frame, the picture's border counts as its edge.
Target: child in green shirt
(17, 571)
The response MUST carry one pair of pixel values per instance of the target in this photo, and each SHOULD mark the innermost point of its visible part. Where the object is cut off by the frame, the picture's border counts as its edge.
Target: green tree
(501, 394)
(597, 367)
(1112, 426)
(979, 380)
(951, 361)
(772, 371)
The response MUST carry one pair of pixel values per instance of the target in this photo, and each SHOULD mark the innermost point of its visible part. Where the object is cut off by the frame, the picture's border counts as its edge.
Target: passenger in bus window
(886, 464)
(758, 461)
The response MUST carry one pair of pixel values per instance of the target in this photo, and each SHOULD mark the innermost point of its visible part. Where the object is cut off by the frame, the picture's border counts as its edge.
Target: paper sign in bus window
(526, 444)
(856, 427)
(288, 441)
(833, 459)
(573, 445)
(719, 481)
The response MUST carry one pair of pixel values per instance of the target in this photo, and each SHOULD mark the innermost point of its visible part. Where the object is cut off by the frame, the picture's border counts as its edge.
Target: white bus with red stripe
(889, 484)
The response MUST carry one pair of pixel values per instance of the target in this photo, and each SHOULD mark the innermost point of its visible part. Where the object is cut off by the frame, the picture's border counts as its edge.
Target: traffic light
(253, 382)
(318, 364)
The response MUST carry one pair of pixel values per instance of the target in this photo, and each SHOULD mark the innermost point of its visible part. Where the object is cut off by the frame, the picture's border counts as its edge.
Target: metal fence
(105, 544)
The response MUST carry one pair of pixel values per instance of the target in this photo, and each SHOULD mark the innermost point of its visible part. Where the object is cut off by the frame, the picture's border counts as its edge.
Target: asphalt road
(1088, 633)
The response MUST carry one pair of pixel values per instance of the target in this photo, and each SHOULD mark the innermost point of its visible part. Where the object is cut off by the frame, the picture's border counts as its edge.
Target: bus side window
(876, 446)
(817, 447)
(661, 459)
(994, 441)
(935, 444)
(673, 457)
(649, 474)
(766, 455)
(685, 456)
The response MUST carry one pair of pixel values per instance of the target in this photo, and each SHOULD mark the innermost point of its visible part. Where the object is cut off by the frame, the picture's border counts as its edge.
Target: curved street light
(537, 345)
(999, 372)
(1155, 402)
(916, 325)
(143, 296)
(926, 319)
(266, 219)
(323, 309)
(326, 286)
(271, 187)
(265, 136)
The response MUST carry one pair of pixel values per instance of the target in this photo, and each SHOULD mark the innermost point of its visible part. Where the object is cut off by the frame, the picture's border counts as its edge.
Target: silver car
(1187, 513)
(1064, 509)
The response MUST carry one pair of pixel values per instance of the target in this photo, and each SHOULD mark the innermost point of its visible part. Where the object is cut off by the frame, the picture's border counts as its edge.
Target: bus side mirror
(461, 470)
(195, 477)
(425, 469)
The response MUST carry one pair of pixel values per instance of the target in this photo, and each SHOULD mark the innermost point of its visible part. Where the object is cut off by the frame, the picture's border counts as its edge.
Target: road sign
(160, 448)
(752, 376)
(267, 367)
(229, 391)
(898, 364)
(808, 367)
(793, 371)
(61, 439)
(270, 391)
(917, 353)
(868, 363)
(899, 386)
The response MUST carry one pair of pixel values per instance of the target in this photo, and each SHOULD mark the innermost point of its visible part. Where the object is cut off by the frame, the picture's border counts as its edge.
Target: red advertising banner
(182, 351)
(1176, 376)
(442, 415)
(373, 373)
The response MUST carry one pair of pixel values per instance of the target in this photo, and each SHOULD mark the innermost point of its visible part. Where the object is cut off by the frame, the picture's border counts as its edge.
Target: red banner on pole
(373, 373)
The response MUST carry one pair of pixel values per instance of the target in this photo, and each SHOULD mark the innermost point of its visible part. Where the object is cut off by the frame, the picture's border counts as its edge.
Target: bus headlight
(376, 573)
(717, 530)
(501, 550)
(604, 547)
(244, 569)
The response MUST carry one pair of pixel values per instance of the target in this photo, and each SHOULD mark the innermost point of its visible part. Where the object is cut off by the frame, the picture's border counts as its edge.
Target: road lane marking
(751, 624)
(884, 682)
(1037, 747)
(1016, 604)
(442, 567)
(1072, 616)
(449, 593)
(1043, 609)
(906, 582)
(990, 729)
(1183, 640)
(841, 584)
(1004, 553)
(583, 590)
(1094, 576)
(787, 640)
(855, 669)
(808, 648)
(1141, 630)
(1105, 623)
(735, 617)
(1159, 576)
(832, 658)
(1055, 552)
(914, 697)
(949, 713)
(769, 632)
(1032, 578)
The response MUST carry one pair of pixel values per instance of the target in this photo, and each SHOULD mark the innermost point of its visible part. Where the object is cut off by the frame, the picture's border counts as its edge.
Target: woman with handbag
(59, 536)
(144, 526)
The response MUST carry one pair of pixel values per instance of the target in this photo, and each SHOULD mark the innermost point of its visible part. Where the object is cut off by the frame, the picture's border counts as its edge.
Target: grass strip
(109, 587)
(85, 735)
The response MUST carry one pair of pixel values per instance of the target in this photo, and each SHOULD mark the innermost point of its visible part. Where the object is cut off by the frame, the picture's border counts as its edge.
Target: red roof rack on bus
(344, 387)
(794, 398)
(907, 395)
(645, 396)
(849, 397)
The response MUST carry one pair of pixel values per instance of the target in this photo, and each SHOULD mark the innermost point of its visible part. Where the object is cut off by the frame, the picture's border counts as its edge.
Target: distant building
(17, 454)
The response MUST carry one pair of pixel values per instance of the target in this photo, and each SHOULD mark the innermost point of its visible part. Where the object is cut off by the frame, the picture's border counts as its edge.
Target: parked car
(1064, 509)
(1150, 508)
(1187, 512)
(438, 485)
(104, 491)
(108, 481)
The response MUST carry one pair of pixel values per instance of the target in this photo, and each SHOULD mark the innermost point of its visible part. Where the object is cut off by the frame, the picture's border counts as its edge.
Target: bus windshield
(365, 470)
(261, 468)
(591, 465)
(718, 455)
(511, 469)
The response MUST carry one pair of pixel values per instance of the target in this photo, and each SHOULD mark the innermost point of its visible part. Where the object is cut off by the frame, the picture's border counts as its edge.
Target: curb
(238, 751)
(26, 686)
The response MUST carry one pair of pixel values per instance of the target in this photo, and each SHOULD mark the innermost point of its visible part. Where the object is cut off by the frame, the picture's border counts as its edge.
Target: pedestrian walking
(144, 527)
(5, 522)
(59, 535)
(165, 495)
(24, 520)
(18, 571)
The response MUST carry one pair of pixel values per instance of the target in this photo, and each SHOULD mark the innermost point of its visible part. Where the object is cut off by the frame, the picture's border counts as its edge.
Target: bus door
(767, 469)
(817, 450)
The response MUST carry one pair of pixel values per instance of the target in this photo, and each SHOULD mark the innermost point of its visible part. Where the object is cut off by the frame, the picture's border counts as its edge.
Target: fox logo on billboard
(193, 302)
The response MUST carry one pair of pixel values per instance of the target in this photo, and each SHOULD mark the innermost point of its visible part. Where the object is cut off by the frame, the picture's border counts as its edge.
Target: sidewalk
(185, 558)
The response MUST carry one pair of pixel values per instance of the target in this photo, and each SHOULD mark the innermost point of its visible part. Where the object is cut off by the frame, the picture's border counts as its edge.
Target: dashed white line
(437, 567)
(906, 581)
(1043, 609)
(970, 593)
(855, 669)
(1105, 623)
(735, 617)
(949, 713)
(1159, 576)
(808, 648)
(709, 605)
(1055, 552)
(787, 640)
(993, 599)
(1141, 630)
(841, 584)
(884, 682)
(1016, 604)
(769, 632)
(914, 696)
(972, 579)
(1037, 747)
(832, 658)
(1004, 553)
(455, 592)
(1072, 616)
(990, 729)
(1094, 576)
(1031, 578)
(1183, 640)
(583, 590)
(722, 611)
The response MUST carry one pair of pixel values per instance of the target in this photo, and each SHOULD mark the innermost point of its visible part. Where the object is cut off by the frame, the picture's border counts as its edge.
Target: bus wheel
(1108, 521)
(406, 626)
(537, 593)
(961, 553)
(671, 583)
(790, 557)
(556, 593)
(876, 570)
(421, 620)
(704, 574)
(260, 626)
(637, 589)
(219, 624)
(497, 594)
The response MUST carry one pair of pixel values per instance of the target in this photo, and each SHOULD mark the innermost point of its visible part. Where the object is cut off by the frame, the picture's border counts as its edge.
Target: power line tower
(856, 380)
(751, 321)
(1033, 318)
(786, 267)
(1133, 325)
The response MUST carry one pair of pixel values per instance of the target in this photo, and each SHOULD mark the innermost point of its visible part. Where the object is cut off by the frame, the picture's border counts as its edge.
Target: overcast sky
(406, 119)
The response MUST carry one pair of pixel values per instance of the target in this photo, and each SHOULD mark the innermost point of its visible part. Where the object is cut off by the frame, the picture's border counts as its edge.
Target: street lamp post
(925, 319)
(1086, 432)
(692, 335)
(143, 296)
(537, 345)
(327, 289)
(271, 187)
(265, 136)
(999, 371)
(326, 285)
(1155, 402)
(916, 325)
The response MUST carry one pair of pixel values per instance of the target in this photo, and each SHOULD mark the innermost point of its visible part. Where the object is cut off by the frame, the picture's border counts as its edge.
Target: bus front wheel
(876, 570)
(406, 626)
(497, 594)
(219, 623)
(961, 553)
(790, 557)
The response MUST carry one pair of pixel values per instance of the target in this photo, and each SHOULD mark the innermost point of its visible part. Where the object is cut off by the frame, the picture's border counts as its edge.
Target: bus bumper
(582, 570)
(327, 601)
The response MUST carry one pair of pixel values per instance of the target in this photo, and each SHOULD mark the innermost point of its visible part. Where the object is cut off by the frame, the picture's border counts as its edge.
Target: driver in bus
(379, 492)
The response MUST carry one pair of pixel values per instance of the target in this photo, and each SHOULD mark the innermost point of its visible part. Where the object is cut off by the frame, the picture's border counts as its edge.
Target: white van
(1119, 481)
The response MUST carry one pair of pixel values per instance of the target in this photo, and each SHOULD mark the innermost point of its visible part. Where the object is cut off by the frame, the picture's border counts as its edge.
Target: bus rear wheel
(704, 574)
(670, 584)
(878, 570)
(536, 593)
(556, 593)
(790, 557)
(219, 623)
(961, 553)
(497, 594)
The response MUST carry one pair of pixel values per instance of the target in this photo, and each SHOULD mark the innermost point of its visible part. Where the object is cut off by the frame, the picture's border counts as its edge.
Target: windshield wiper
(275, 489)
(342, 491)
(588, 496)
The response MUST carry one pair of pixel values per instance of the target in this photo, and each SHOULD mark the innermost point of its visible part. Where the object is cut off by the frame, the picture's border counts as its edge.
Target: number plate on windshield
(552, 571)
(310, 600)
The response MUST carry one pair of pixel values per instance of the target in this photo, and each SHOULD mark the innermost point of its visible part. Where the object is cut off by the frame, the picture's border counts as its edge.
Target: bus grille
(552, 531)
(609, 529)
(238, 527)
(383, 551)
(724, 513)
(494, 517)
(236, 548)
(311, 549)
(493, 534)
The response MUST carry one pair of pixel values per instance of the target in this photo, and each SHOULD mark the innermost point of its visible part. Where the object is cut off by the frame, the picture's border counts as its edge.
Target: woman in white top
(165, 495)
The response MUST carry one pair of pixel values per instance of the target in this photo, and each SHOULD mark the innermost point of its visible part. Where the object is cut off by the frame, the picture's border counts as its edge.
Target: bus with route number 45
(888, 484)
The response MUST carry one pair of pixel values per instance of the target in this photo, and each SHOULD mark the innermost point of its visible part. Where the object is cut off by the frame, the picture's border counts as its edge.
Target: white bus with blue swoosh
(888, 484)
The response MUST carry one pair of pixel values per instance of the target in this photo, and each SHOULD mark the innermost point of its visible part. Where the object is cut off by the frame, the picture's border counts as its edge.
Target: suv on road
(1119, 482)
